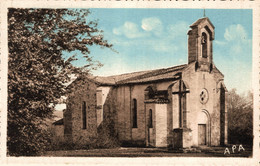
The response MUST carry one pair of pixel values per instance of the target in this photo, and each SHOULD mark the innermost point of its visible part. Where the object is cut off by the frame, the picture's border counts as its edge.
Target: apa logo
(234, 147)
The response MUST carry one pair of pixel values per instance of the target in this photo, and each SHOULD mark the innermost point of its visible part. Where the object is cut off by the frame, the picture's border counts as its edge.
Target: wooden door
(202, 134)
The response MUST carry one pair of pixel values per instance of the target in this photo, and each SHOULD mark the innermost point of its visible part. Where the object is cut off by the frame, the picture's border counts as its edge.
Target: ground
(154, 152)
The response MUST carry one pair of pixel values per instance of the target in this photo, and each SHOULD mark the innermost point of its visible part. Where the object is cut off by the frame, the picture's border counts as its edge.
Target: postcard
(130, 82)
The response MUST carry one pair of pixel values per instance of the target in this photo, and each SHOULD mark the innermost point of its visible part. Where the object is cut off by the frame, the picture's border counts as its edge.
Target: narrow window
(150, 118)
(184, 105)
(204, 45)
(99, 110)
(84, 115)
(134, 120)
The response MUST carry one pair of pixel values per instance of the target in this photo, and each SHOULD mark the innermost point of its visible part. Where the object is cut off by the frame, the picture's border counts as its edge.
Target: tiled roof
(201, 20)
(155, 75)
(112, 80)
(116, 78)
(138, 77)
(142, 76)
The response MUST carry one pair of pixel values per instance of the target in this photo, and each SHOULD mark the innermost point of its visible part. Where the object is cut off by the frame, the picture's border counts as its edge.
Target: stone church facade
(180, 106)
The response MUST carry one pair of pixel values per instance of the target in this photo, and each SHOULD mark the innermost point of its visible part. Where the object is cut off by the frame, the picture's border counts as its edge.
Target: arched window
(84, 115)
(204, 45)
(134, 115)
(149, 93)
(150, 118)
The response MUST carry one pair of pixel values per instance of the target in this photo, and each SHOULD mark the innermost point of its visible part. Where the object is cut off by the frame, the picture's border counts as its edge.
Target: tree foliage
(38, 70)
(240, 118)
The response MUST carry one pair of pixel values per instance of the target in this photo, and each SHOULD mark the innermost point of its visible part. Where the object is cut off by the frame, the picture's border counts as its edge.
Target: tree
(38, 71)
(240, 118)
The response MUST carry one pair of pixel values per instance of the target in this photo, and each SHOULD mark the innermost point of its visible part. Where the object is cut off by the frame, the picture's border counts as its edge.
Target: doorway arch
(204, 128)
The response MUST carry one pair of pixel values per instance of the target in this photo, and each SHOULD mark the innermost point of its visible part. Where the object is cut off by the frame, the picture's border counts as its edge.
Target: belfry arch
(200, 47)
(204, 45)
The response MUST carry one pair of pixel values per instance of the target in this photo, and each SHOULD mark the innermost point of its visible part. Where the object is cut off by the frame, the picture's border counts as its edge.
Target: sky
(148, 39)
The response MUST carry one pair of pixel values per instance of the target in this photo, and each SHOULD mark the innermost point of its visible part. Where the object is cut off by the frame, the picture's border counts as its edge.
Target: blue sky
(157, 38)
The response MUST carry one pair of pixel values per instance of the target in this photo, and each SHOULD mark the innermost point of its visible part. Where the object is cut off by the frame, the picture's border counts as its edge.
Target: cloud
(220, 42)
(238, 74)
(237, 41)
(236, 49)
(235, 32)
(161, 41)
(129, 29)
(152, 24)
(113, 64)
(179, 29)
(162, 46)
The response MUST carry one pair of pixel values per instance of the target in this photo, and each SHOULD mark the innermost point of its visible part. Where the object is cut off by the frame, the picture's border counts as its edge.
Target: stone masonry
(180, 106)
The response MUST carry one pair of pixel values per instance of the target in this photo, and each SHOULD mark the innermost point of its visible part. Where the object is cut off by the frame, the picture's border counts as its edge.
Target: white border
(246, 4)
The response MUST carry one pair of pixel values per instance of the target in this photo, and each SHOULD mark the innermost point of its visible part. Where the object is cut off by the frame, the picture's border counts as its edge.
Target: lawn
(153, 152)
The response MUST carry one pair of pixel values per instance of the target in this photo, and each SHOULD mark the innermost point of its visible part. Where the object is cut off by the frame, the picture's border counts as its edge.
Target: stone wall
(198, 80)
(58, 133)
(124, 98)
(151, 132)
(111, 109)
(192, 46)
(161, 125)
(83, 90)
(101, 93)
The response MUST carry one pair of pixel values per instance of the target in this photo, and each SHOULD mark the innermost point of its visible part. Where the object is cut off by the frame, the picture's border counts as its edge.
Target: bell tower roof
(201, 21)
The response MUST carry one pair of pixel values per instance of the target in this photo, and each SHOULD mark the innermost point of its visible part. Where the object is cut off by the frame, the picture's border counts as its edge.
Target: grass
(151, 152)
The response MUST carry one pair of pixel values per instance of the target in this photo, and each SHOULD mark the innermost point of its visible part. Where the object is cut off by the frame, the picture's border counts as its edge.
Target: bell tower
(200, 41)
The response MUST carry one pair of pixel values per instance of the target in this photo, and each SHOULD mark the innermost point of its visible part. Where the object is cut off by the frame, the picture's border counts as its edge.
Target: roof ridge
(143, 71)
(135, 72)
(58, 122)
(122, 78)
(197, 22)
(154, 73)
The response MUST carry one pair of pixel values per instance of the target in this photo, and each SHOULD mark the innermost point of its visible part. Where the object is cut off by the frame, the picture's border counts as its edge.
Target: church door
(150, 137)
(202, 134)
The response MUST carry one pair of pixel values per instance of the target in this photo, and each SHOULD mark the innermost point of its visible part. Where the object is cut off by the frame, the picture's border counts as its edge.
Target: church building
(180, 106)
